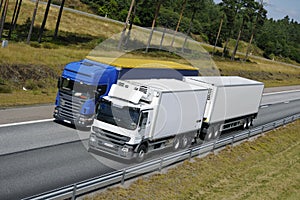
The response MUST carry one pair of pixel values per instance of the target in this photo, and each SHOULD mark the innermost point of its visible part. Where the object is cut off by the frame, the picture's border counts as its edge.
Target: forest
(240, 20)
(223, 25)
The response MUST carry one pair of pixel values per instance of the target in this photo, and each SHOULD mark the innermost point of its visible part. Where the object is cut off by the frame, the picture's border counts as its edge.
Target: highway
(43, 155)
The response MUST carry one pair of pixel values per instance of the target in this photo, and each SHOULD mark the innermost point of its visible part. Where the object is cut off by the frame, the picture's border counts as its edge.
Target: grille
(69, 106)
(114, 138)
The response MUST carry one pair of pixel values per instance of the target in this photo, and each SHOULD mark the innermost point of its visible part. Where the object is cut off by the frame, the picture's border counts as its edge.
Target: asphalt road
(35, 171)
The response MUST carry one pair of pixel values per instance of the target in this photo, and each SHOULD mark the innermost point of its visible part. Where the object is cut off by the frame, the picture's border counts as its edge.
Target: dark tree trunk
(125, 25)
(44, 21)
(3, 17)
(189, 30)
(59, 18)
(32, 21)
(17, 15)
(131, 22)
(12, 20)
(153, 24)
(218, 35)
(179, 21)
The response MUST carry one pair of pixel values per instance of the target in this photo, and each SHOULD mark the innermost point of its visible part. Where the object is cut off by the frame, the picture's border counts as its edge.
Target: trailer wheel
(249, 122)
(141, 153)
(184, 142)
(176, 143)
(245, 124)
(216, 130)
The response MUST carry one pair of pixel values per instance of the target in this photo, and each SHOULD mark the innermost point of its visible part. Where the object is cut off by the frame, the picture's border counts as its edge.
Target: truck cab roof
(166, 85)
(88, 71)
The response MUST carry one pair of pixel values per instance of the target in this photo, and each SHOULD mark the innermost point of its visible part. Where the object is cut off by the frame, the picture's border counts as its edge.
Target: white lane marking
(282, 92)
(27, 122)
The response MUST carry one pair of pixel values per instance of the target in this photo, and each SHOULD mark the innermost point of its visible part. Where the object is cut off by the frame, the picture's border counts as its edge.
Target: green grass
(267, 168)
(272, 74)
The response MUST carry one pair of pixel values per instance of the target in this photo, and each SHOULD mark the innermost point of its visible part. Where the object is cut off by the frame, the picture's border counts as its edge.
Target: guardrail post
(214, 145)
(123, 177)
(160, 164)
(190, 156)
(74, 192)
(249, 132)
(232, 141)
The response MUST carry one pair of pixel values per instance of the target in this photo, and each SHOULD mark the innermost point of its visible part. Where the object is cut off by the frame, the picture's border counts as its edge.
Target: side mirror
(98, 93)
(59, 82)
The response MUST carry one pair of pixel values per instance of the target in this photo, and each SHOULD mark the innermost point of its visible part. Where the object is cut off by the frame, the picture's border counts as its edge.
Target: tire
(209, 134)
(176, 144)
(184, 142)
(141, 153)
(216, 131)
(250, 120)
(245, 124)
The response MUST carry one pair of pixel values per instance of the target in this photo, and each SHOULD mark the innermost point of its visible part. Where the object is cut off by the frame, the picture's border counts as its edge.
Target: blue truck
(84, 82)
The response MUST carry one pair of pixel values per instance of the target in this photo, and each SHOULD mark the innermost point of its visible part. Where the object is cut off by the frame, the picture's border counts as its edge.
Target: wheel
(245, 124)
(216, 132)
(249, 122)
(210, 133)
(141, 153)
(176, 143)
(184, 142)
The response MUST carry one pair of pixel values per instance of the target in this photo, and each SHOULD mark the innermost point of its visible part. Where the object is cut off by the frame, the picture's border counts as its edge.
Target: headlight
(92, 139)
(125, 149)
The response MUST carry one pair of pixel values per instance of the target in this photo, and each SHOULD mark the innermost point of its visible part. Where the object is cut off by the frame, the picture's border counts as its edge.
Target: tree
(3, 17)
(44, 21)
(179, 20)
(32, 21)
(17, 15)
(230, 8)
(218, 35)
(194, 5)
(125, 24)
(247, 11)
(12, 20)
(153, 23)
(260, 17)
(1, 2)
(59, 18)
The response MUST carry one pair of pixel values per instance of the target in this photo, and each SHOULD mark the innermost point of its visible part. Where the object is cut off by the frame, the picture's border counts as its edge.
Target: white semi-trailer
(140, 116)
(232, 102)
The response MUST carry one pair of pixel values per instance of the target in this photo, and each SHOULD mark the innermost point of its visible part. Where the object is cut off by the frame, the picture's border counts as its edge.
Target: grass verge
(267, 168)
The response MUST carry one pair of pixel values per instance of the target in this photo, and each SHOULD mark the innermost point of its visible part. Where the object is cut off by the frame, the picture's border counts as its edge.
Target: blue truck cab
(84, 82)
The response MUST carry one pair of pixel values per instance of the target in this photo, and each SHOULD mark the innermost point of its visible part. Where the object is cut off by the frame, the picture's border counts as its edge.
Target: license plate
(109, 145)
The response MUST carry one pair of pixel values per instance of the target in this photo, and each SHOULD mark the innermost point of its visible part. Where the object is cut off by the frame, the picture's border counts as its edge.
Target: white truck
(141, 116)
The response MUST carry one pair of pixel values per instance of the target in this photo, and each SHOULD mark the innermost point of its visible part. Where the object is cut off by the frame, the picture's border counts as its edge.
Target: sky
(278, 9)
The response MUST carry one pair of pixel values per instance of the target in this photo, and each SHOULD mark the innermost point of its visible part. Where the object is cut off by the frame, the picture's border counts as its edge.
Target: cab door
(145, 123)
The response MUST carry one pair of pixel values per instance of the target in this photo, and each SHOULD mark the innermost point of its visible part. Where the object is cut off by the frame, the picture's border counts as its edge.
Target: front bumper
(116, 150)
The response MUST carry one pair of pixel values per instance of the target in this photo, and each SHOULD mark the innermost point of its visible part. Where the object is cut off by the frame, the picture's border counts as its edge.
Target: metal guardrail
(121, 176)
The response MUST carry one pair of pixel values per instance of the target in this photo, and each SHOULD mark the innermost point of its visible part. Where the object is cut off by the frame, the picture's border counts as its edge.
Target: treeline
(235, 19)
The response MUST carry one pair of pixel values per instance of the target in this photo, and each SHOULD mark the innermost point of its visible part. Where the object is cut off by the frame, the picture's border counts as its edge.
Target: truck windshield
(125, 117)
(78, 88)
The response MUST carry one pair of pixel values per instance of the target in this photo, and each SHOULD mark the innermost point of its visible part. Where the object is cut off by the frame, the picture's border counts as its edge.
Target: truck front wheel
(141, 153)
